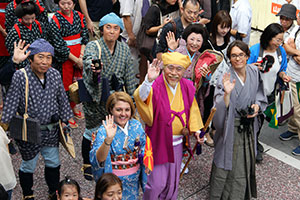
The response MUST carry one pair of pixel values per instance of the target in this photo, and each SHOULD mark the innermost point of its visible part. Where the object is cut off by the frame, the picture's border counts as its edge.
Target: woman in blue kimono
(119, 146)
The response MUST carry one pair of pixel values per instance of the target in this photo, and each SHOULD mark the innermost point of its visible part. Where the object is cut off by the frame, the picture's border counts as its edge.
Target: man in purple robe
(167, 105)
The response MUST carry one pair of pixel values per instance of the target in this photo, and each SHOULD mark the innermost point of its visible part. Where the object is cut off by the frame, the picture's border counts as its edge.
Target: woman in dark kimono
(239, 97)
(69, 36)
(27, 28)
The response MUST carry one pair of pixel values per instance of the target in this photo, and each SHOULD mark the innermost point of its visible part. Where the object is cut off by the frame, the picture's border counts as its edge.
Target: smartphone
(97, 64)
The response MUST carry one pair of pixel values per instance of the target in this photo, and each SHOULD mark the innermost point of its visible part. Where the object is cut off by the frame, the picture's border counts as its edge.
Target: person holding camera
(270, 58)
(47, 103)
(115, 73)
(239, 97)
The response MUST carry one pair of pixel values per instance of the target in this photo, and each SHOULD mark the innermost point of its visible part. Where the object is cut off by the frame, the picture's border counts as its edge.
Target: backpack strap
(278, 51)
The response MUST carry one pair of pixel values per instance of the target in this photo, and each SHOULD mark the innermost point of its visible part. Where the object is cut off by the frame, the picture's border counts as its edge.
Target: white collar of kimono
(173, 90)
(125, 129)
(239, 78)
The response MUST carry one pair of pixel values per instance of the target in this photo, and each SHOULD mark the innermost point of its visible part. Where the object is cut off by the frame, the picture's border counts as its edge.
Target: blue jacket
(255, 52)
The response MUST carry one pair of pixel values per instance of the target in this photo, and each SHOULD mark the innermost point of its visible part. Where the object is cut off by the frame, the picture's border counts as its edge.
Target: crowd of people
(196, 58)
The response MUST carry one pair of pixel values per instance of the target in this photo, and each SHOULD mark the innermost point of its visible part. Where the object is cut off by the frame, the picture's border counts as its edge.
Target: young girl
(109, 187)
(69, 36)
(68, 189)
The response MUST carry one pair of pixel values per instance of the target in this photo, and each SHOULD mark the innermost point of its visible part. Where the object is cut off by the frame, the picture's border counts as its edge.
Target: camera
(246, 112)
(97, 65)
(267, 63)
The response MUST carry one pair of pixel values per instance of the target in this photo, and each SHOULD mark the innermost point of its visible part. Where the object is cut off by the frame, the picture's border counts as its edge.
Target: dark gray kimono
(225, 120)
(44, 100)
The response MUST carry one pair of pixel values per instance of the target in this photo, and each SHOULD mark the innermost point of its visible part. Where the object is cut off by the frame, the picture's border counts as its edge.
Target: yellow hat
(176, 58)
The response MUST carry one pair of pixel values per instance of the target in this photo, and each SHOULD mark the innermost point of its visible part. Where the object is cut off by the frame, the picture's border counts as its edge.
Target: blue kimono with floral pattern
(131, 182)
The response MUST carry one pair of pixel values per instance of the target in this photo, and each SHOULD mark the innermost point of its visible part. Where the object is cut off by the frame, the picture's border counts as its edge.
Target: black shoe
(26, 182)
(259, 157)
(87, 172)
(11, 148)
(260, 147)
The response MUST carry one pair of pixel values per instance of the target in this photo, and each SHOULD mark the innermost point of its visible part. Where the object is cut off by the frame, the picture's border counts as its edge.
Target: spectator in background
(50, 6)
(93, 11)
(205, 12)
(241, 15)
(270, 45)
(131, 13)
(287, 16)
(7, 174)
(108, 187)
(189, 13)
(216, 6)
(293, 70)
(158, 15)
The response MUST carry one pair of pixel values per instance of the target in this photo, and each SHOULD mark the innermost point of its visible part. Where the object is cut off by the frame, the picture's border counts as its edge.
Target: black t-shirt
(98, 8)
(152, 17)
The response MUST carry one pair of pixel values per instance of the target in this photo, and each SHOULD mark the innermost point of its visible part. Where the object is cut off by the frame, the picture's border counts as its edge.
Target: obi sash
(73, 40)
(125, 164)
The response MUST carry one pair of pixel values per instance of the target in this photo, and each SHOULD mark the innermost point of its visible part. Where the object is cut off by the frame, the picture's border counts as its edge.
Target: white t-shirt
(7, 175)
(293, 68)
(132, 8)
(269, 78)
(241, 15)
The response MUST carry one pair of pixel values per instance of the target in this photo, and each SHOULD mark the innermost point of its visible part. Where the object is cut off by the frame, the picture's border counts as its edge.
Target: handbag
(74, 92)
(24, 127)
(284, 102)
(66, 140)
(144, 41)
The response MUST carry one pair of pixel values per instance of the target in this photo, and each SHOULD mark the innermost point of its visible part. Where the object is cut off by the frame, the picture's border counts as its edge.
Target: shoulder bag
(24, 127)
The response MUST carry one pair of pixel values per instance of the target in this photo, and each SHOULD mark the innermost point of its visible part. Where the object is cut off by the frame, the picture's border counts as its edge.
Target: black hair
(269, 33)
(57, 1)
(27, 8)
(241, 45)
(18, 1)
(195, 28)
(66, 181)
(223, 18)
(194, 2)
(31, 57)
(105, 181)
(3, 193)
